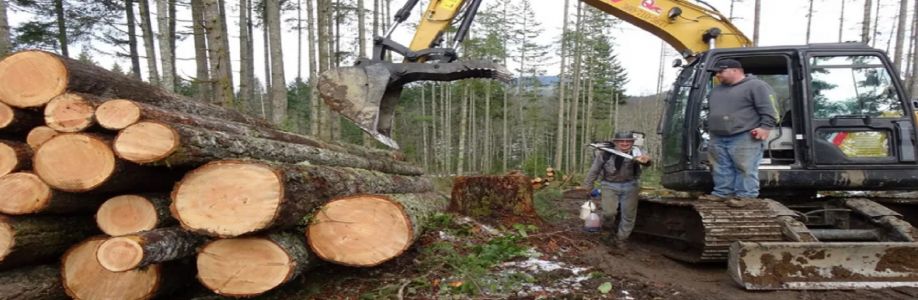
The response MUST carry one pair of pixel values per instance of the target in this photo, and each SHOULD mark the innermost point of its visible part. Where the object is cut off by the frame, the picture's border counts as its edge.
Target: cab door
(857, 112)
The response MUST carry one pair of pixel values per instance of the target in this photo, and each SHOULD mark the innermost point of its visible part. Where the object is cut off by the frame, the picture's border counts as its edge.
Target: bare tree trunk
(278, 89)
(900, 36)
(313, 71)
(913, 84)
(149, 47)
(165, 45)
(756, 22)
(5, 44)
(322, 13)
(876, 25)
(425, 145)
(559, 133)
(246, 94)
(809, 22)
(299, 40)
(841, 21)
(732, 3)
(335, 17)
(575, 93)
(132, 39)
(219, 54)
(200, 53)
(61, 27)
(463, 130)
(865, 23)
(266, 110)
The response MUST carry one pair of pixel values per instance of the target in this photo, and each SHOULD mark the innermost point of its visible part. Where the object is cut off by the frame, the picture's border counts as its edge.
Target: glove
(595, 193)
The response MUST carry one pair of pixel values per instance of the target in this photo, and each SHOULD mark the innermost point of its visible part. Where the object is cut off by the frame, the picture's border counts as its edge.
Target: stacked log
(178, 189)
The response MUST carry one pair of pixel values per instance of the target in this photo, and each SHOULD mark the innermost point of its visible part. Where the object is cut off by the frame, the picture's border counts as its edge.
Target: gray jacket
(603, 168)
(741, 107)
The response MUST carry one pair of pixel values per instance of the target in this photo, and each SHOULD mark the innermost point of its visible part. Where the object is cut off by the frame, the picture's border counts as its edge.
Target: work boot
(738, 203)
(607, 239)
(620, 244)
(711, 197)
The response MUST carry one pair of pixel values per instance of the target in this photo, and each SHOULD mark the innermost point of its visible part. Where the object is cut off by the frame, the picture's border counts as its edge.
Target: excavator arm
(368, 92)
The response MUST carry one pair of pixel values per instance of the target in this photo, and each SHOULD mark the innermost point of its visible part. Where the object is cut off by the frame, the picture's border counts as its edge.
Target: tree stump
(504, 199)
(367, 230)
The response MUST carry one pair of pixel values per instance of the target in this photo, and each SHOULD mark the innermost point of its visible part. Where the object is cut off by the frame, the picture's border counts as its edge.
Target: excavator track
(702, 231)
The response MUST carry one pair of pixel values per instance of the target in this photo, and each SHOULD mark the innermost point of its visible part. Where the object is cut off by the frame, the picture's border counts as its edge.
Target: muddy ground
(461, 258)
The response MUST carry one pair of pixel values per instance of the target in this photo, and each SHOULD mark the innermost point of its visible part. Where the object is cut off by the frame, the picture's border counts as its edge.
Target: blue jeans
(626, 194)
(735, 165)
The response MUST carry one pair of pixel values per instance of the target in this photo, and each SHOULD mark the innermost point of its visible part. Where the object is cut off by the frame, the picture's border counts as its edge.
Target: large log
(25, 193)
(141, 249)
(84, 278)
(367, 230)
(42, 282)
(504, 199)
(250, 266)
(127, 214)
(32, 78)
(17, 121)
(180, 145)
(80, 162)
(120, 113)
(36, 239)
(71, 112)
(14, 156)
(230, 198)
(39, 135)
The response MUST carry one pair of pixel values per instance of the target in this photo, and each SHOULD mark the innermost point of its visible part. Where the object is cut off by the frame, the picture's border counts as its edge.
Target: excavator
(833, 173)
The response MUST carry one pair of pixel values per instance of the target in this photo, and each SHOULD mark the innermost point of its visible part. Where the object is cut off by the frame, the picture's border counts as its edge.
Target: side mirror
(677, 63)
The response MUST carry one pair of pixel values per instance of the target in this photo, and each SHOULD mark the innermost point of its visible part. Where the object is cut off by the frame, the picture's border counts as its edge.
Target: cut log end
(126, 214)
(7, 239)
(31, 78)
(117, 114)
(6, 115)
(120, 254)
(39, 135)
(376, 228)
(25, 193)
(146, 142)
(85, 278)
(228, 198)
(8, 159)
(69, 112)
(74, 162)
(243, 267)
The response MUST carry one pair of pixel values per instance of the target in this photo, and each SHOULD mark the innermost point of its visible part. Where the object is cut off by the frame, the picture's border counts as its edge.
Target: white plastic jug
(586, 209)
(592, 223)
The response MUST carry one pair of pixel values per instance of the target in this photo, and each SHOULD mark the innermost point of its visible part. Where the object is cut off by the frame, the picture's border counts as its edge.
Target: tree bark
(865, 24)
(137, 250)
(84, 278)
(559, 132)
(900, 36)
(809, 22)
(322, 22)
(254, 196)
(463, 130)
(841, 21)
(5, 44)
(71, 112)
(132, 39)
(60, 75)
(179, 145)
(313, 72)
(756, 22)
(246, 78)
(128, 214)
(505, 199)
(62, 41)
(41, 282)
(27, 194)
(220, 66)
(279, 87)
(39, 135)
(202, 73)
(14, 156)
(79, 162)
(165, 45)
(119, 114)
(149, 47)
(17, 121)
(37, 239)
(367, 230)
(225, 266)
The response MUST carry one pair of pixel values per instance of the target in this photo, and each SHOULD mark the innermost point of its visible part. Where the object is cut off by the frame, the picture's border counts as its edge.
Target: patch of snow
(537, 265)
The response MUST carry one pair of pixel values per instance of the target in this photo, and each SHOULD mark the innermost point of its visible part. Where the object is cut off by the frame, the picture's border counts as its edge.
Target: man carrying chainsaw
(618, 168)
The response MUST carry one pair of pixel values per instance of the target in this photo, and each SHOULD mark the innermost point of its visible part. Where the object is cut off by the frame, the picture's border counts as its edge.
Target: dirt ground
(561, 262)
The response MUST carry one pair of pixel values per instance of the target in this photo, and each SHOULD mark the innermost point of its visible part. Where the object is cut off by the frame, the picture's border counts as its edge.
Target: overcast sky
(783, 23)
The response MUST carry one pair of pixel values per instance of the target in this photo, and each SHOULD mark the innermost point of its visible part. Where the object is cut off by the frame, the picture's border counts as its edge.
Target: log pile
(116, 189)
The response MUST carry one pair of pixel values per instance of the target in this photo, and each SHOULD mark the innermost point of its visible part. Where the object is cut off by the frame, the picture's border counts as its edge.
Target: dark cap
(726, 64)
(623, 136)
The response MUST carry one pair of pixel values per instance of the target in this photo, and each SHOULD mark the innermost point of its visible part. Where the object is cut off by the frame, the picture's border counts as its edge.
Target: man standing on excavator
(618, 171)
(742, 114)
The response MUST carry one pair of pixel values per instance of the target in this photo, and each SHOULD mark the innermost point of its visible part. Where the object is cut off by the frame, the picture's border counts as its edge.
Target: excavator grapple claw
(367, 94)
